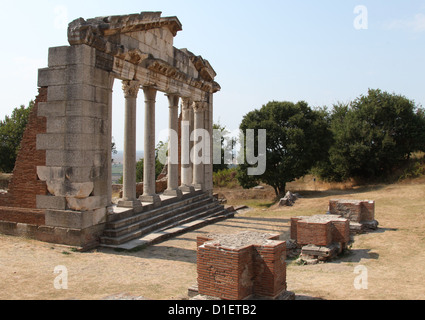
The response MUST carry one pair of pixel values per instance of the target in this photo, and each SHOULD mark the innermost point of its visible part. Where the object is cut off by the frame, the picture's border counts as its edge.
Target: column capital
(186, 103)
(173, 100)
(199, 106)
(130, 88)
(150, 94)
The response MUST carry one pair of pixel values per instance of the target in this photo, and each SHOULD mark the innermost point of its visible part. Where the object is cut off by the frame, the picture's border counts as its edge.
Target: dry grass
(394, 255)
(4, 180)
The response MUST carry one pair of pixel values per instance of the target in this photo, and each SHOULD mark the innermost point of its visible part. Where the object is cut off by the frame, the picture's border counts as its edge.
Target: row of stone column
(192, 175)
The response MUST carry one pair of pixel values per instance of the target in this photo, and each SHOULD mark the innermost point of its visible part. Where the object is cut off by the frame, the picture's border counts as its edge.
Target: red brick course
(236, 273)
(320, 230)
(319, 234)
(22, 215)
(354, 210)
(25, 185)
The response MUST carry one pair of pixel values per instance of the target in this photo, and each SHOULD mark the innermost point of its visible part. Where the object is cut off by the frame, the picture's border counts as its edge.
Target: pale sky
(318, 51)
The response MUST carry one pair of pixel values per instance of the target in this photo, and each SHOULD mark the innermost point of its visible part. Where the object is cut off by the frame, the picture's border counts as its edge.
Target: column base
(190, 189)
(154, 199)
(198, 187)
(129, 204)
(173, 193)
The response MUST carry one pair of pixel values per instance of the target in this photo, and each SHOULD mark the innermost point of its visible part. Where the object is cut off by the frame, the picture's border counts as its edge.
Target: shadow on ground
(356, 255)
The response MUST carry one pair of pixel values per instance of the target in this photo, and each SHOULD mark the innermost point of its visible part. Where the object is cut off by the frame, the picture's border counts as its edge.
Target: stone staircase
(132, 228)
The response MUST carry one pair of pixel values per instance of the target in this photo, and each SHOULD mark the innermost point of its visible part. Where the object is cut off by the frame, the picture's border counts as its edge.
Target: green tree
(11, 132)
(372, 136)
(220, 141)
(158, 165)
(297, 138)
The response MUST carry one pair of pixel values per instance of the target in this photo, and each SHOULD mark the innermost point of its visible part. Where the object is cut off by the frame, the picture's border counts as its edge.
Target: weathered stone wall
(77, 138)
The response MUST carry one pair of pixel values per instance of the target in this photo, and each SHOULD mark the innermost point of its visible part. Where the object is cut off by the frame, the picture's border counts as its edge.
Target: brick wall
(22, 215)
(25, 185)
(236, 273)
(317, 233)
(270, 270)
(341, 231)
(320, 230)
(354, 210)
(294, 221)
(368, 211)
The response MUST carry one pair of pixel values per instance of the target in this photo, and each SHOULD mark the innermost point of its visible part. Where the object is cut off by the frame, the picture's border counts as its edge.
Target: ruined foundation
(320, 237)
(361, 214)
(248, 265)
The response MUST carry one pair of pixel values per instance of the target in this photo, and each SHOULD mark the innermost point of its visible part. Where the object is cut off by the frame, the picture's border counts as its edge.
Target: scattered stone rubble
(289, 199)
(220, 198)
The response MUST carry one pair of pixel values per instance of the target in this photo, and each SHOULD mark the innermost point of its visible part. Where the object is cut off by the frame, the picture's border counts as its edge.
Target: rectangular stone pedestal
(241, 266)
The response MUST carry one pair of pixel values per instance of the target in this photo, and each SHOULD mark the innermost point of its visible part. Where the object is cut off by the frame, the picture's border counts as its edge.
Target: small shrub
(415, 170)
(225, 178)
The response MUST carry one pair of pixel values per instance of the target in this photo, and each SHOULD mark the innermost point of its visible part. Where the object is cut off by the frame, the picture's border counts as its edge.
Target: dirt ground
(392, 256)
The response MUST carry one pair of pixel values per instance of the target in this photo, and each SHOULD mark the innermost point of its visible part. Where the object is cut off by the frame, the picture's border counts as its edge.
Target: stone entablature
(140, 46)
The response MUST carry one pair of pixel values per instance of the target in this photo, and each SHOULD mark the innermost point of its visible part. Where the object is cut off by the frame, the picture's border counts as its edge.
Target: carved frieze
(110, 36)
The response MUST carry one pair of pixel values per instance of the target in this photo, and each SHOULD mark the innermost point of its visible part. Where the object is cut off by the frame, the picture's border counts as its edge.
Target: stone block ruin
(360, 213)
(248, 265)
(320, 238)
(61, 190)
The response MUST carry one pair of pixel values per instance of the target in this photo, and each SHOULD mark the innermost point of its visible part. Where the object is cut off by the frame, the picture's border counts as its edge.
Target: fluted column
(149, 180)
(173, 145)
(186, 168)
(131, 89)
(199, 148)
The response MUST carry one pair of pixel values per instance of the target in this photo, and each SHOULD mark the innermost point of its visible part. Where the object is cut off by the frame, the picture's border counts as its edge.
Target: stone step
(196, 207)
(172, 204)
(155, 226)
(167, 233)
(121, 214)
(158, 217)
(216, 210)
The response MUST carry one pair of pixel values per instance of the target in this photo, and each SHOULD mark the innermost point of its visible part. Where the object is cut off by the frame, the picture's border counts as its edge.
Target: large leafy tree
(297, 138)
(373, 135)
(12, 129)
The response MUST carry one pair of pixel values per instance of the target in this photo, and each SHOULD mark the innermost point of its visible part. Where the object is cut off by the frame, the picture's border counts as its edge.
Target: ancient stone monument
(248, 265)
(66, 153)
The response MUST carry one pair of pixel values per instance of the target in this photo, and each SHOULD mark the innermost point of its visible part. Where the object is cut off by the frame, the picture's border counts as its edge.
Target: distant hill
(119, 157)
